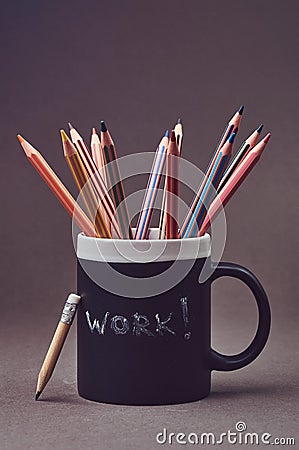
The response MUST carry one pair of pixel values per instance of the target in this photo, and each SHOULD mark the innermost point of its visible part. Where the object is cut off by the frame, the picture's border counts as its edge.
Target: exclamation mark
(184, 304)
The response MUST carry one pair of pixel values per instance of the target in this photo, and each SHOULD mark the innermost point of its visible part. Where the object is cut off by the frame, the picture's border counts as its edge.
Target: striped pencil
(106, 204)
(231, 127)
(178, 130)
(194, 221)
(172, 188)
(58, 188)
(146, 212)
(247, 145)
(84, 185)
(236, 179)
(114, 180)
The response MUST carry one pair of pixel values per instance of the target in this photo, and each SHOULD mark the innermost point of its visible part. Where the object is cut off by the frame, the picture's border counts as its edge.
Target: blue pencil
(195, 218)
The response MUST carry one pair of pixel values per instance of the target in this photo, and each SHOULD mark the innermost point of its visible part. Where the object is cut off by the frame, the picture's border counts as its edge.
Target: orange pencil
(237, 178)
(248, 144)
(81, 178)
(57, 187)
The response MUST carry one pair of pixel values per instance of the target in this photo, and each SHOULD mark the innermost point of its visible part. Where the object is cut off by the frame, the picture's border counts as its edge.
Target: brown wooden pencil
(85, 186)
(114, 180)
(172, 188)
(106, 203)
(57, 342)
(57, 187)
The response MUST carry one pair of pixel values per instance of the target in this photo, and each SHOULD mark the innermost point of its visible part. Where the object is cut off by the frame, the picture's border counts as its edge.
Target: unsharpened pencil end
(241, 109)
(166, 133)
(172, 136)
(37, 395)
(21, 139)
(259, 129)
(103, 126)
(232, 138)
(64, 136)
(266, 139)
(70, 125)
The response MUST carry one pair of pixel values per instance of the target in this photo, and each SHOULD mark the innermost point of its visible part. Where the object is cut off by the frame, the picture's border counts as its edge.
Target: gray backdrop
(140, 65)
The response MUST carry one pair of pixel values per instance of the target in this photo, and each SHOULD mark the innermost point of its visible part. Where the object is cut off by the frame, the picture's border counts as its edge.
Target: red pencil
(172, 188)
(237, 178)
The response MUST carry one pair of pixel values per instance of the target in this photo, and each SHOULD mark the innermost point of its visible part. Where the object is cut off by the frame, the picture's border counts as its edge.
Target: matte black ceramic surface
(155, 350)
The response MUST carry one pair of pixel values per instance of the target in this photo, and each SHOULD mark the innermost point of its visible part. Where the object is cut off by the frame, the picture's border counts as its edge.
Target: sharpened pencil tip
(37, 395)
(94, 131)
(266, 139)
(241, 109)
(259, 129)
(232, 138)
(64, 136)
(172, 136)
(179, 120)
(166, 133)
(103, 126)
(70, 125)
(21, 139)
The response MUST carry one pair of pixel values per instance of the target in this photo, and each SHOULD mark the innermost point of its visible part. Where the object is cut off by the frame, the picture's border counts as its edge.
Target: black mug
(144, 320)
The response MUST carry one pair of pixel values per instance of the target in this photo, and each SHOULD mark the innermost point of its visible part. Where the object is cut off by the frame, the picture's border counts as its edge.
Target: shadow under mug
(153, 349)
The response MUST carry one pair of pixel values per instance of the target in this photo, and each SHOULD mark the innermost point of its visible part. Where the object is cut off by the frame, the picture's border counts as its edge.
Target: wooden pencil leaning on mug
(172, 189)
(114, 180)
(85, 186)
(178, 130)
(236, 179)
(150, 195)
(58, 188)
(105, 201)
(97, 154)
(57, 342)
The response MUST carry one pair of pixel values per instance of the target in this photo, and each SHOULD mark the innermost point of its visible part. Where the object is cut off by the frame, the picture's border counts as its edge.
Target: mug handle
(234, 362)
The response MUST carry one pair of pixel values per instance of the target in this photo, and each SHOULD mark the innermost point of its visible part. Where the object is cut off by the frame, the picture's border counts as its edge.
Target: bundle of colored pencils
(96, 169)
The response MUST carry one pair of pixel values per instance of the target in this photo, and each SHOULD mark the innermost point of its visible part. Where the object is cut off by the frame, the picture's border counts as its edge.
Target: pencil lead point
(179, 120)
(172, 136)
(259, 129)
(37, 395)
(94, 131)
(70, 125)
(64, 136)
(241, 109)
(266, 139)
(232, 138)
(103, 126)
(21, 139)
(166, 133)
